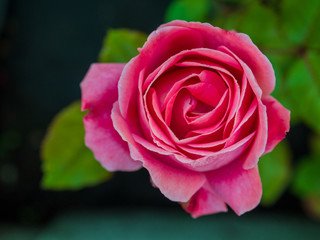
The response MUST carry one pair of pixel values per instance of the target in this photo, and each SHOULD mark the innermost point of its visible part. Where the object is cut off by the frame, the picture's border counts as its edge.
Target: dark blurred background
(46, 48)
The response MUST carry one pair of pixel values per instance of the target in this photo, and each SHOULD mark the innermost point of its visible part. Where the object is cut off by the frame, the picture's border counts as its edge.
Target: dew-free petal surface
(99, 92)
(204, 202)
(240, 188)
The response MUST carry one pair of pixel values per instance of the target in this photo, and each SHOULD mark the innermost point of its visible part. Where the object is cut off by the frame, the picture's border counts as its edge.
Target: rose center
(199, 109)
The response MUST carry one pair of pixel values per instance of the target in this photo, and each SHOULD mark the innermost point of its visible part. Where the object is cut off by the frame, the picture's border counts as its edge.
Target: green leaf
(67, 162)
(120, 45)
(275, 172)
(303, 89)
(188, 10)
(299, 18)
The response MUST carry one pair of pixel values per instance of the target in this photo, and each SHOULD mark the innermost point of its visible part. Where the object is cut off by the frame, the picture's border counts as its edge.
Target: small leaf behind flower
(275, 172)
(120, 45)
(67, 163)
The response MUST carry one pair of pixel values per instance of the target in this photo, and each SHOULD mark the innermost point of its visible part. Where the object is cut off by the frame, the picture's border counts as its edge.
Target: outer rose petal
(99, 87)
(240, 188)
(204, 202)
(175, 183)
(99, 92)
(278, 122)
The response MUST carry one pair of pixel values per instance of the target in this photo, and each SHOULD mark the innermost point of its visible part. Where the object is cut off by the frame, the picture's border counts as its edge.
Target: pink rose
(194, 109)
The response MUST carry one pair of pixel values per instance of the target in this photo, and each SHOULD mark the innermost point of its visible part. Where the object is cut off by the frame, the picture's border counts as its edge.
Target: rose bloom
(194, 109)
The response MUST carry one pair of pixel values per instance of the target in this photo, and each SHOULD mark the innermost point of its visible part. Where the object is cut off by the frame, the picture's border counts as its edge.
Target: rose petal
(278, 122)
(240, 188)
(184, 102)
(260, 141)
(204, 202)
(128, 88)
(159, 130)
(211, 118)
(245, 126)
(169, 83)
(229, 80)
(204, 135)
(176, 184)
(209, 57)
(99, 86)
(210, 89)
(167, 42)
(215, 160)
(99, 92)
(106, 144)
(173, 93)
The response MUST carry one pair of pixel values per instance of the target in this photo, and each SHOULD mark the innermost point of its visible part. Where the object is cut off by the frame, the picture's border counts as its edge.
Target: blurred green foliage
(188, 10)
(303, 84)
(299, 21)
(67, 162)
